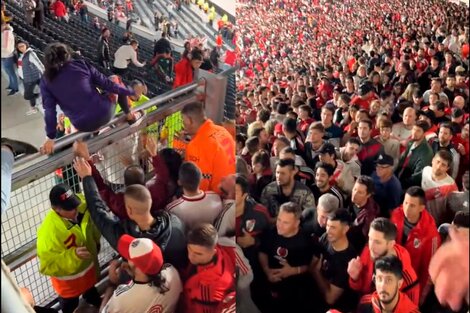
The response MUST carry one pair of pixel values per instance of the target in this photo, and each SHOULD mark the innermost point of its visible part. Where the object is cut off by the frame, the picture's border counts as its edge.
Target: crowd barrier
(35, 175)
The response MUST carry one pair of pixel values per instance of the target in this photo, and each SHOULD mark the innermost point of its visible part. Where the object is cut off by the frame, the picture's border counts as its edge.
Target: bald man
(164, 228)
(402, 131)
(459, 102)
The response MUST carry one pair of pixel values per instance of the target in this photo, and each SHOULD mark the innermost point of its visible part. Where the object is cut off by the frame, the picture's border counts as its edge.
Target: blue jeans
(8, 64)
(7, 169)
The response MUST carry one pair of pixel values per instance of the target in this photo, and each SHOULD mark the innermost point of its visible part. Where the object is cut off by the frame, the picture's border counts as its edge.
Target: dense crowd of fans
(175, 232)
(352, 152)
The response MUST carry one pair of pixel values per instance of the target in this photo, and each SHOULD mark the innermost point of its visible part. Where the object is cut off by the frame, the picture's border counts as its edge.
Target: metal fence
(34, 177)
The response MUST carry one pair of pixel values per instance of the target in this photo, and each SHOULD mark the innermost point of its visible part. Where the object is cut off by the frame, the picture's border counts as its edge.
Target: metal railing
(34, 177)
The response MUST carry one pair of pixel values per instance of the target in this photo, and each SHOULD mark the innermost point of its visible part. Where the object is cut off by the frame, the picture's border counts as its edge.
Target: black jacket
(168, 232)
(103, 50)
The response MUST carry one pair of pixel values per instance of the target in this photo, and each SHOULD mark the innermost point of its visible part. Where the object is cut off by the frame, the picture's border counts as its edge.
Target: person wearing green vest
(67, 248)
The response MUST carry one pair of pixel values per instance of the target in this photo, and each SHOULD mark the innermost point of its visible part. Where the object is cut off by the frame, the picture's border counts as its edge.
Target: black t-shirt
(297, 250)
(335, 270)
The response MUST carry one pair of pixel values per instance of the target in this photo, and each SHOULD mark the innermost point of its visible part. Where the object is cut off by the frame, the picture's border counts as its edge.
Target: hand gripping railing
(24, 167)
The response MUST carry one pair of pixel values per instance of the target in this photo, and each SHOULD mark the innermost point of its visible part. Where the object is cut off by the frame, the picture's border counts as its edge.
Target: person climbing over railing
(72, 85)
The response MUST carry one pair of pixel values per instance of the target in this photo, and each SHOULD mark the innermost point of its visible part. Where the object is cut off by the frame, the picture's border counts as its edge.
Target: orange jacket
(410, 286)
(214, 159)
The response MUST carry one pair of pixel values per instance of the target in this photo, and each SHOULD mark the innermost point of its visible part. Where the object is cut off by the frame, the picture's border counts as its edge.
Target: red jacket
(423, 240)
(371, 304)
(209, 285)
(59, 8)
(183, 73)
(158, 189)
(410, 286)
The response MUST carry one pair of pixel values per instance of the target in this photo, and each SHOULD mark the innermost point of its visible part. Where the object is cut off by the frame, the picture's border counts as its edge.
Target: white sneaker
(32, 111)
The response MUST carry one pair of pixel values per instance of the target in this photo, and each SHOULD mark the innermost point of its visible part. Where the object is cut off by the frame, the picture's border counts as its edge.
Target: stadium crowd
(175, 232)
(352, 153)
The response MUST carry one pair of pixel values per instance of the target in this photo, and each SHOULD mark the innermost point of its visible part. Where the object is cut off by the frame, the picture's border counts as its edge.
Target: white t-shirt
(145, 298)
(225, 222)
(125, 54)
(436, 195)
(203, 208)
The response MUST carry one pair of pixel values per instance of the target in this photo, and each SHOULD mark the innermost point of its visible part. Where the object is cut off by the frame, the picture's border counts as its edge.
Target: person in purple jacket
(72, 85)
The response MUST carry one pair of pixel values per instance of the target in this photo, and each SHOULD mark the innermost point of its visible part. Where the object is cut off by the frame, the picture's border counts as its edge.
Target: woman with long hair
(86, 96)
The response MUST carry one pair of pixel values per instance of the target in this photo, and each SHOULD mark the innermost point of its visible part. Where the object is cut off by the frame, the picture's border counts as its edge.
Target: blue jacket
(74, 91)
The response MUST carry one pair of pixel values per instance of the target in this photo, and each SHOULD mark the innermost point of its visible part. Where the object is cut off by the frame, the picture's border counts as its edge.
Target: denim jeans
(8, 65)
(7, 169)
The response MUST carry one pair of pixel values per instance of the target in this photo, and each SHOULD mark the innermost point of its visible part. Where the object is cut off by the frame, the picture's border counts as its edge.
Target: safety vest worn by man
(215, 160)
(57, 240)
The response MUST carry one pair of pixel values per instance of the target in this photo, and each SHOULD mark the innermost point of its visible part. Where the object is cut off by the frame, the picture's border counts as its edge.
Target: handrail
(45, 166)
(70, 139)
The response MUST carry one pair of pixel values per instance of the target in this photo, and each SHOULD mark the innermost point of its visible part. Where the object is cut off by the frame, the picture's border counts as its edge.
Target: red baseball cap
(143, 252)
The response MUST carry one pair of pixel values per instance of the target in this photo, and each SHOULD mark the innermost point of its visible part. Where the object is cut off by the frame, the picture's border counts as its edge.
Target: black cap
(364, 88)
(63, 197)
(327, 148)
(429, 114)
(384, 159)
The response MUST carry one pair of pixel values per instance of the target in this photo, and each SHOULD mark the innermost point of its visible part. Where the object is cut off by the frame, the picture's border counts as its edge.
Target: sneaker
(19, 147)
(12, 92)
(32, 111)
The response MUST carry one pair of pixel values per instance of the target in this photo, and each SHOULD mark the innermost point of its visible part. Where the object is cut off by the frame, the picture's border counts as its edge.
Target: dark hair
(446, 156)
(172, 160)
(196, 54)
(134, 174)
(447, 125)
(307, 108)
(385, 123)
(385, 226)
(159, 281)
(368, 182)
(241, 138)
(203, 235)
(262, 157)
(367, 121)
(355, 141)
(317, 126)
(264, 115)
(289, 125)
(133, 42)
(461, 219)
(385, 94)
(243, 183)
(328, 168)
(282, 108)
(329, 108)
(341, 215)
(189, 176)
(252, 144)
(288, 150)
(417, 192)
(291, 207)
(56, 55)
(286, 162)
(389, 264)
(193, 108)
(424, 125)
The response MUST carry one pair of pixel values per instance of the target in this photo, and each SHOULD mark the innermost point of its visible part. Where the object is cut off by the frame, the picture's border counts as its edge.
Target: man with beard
(417, 155)
(382, 243)
(437, 185)
(363, 210)
(444, 142)
(286, 189)
(210, 275)
(417, 232)
(315, 134)
(388, 277)
(323, 173)
(330, 271)
(285, 254)
(154, 286)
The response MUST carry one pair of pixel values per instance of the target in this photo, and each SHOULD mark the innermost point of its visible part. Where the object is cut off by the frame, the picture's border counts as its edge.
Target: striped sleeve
(245, 274)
